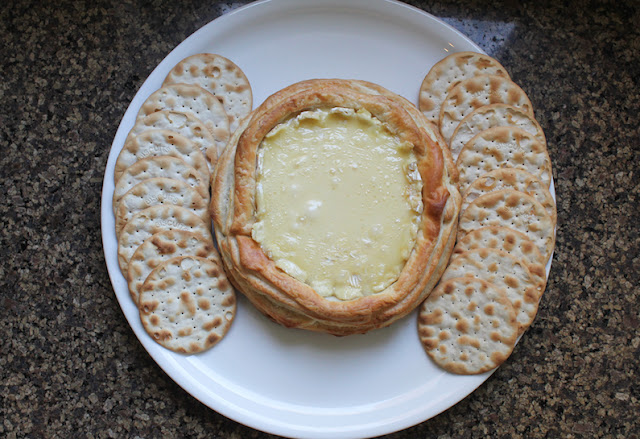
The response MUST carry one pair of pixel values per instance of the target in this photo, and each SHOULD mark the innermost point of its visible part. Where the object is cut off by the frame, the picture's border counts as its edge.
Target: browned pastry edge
(289, 301)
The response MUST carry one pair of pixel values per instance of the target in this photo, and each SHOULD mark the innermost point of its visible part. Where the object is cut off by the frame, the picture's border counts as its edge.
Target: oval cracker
(504, 271)
(513, 209)
(187, 304)
(476, 92)
(467, 326)
(163, 246)
(219, 76)
(503, 147)
(152, 220)
(494, 115)
(447, 73)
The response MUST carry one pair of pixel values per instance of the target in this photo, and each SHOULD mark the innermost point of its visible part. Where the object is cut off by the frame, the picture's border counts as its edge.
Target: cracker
(152, 220)
(509, 178)
(161, 247)
(504, 271)
(185, 124)
(490, 116)
(187, 304)
(160, 143)
(220, 77)
(476, 92)
(447, 73)
(161, 166)
(157, 191)
(503, 147)
(513, 242)
(513, 209)
(467, 326)
(190, 98)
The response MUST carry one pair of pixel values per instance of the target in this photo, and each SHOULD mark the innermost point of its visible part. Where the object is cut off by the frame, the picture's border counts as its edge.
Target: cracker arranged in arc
(513, 242)
(447, 73)
(187, 304)
(163, 246)
(510, 178)
(476, 92)
(503, 147)
(494, 115)
(504, 271)
(152, 220)
(160, 143)
(190, 98)
(159, 191)
(160, 166)
(219, 76)
(467, 326)
(513, 209)
(185, 124)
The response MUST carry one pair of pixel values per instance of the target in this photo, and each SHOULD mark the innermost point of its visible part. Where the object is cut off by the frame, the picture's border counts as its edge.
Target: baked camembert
(337, 201)
(335, 206)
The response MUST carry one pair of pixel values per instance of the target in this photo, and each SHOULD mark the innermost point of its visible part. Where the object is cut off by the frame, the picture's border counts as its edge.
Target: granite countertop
(70, 365)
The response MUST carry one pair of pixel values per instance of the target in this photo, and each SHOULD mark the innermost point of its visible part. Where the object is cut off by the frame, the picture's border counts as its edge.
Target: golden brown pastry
(335, 206)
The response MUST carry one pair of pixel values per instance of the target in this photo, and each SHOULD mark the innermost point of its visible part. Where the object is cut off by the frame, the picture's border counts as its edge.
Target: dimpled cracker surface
(160, 143)
(152, 220)
(190, 98)
(187, 305)
(509, 178)
(513, 242)
(504, 271)
(513, 209)
(160, 247)
(467, 326)
(219, 76)
(156, 191)
(494, 115)
(161, 166)
(503, 147)
(447, 73)
(185, 124)
(476, 92)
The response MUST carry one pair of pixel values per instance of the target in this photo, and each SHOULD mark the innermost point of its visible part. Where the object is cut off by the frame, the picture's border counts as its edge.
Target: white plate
(292, 382)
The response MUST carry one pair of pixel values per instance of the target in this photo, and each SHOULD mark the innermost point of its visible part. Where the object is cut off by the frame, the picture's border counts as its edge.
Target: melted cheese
(337, 201)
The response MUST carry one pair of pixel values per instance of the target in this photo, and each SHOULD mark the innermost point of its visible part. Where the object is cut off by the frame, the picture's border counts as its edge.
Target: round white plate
(292, 382)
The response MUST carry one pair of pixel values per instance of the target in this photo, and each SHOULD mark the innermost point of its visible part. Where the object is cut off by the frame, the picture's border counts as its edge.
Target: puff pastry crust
(285, 299)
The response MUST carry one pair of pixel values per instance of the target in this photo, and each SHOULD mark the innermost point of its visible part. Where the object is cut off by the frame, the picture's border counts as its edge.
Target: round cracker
(161, 166)
(513, 242)
(159, 143)
(159, 191)
(504, 271)
(161, 247)
(494, 115)
(190, 98)
(219, 76)
(185, 124)
(187, 304)
(473, 93)
(467, 326)
(513, 209)
(152, 220)
(503, 147)
(510, 178)
(447, 73)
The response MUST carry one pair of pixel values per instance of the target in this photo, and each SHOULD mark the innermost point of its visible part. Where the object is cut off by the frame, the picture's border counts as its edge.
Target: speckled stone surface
(71, 367)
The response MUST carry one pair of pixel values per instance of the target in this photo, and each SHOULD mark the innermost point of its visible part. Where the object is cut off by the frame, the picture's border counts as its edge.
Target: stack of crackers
(161, 202)
(489, 294)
